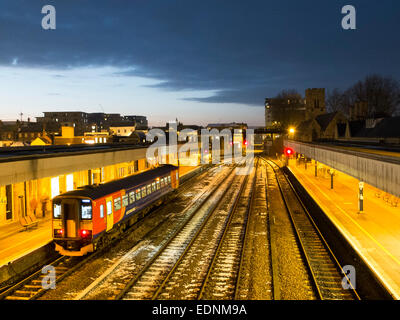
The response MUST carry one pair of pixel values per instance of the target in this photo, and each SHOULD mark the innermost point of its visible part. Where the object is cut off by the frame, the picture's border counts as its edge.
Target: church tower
(315, 102)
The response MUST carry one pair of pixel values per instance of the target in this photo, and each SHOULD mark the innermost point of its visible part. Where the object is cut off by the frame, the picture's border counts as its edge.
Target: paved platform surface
(375, 233)
(186, 169)
(15, 241)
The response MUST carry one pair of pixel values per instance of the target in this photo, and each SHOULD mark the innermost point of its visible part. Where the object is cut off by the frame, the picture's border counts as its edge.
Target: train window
(86, 210)
(117, 204)
(102, 211)
(125, 200)
(57, 211)
(169, 179)
(162, 182)
(143, 192)
(153, 187)
(138, 194)
(158, 185)
(148, 189)
(109, 207)
(132, 197)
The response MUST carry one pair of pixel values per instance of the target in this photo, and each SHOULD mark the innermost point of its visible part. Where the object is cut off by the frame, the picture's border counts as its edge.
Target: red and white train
(87, 218)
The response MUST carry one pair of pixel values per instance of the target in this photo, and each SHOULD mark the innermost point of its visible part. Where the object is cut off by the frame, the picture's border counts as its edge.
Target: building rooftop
(325, 119)
(386, 128)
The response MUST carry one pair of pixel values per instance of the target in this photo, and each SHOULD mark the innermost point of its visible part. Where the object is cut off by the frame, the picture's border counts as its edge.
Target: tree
(381, 93)
(335, 101)
(288, 94)
(287, 108)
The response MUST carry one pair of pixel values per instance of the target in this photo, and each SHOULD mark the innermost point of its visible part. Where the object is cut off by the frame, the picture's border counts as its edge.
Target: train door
(71, 218)
(109, 212)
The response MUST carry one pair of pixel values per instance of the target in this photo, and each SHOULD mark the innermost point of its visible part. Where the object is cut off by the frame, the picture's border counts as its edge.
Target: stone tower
(315, 102)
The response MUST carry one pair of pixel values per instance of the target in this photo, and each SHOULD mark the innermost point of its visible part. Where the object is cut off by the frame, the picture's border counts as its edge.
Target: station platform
(373, 151)
(364, 149)
(186, 170)
(374, 233)
(15, 241)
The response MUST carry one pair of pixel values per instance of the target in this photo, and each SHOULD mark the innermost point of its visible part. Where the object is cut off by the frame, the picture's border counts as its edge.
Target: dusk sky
(198, 61)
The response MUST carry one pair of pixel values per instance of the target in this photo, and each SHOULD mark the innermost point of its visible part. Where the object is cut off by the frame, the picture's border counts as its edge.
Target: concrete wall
(382, 172)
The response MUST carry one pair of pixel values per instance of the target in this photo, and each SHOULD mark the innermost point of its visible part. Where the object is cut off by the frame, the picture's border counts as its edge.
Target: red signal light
(85, 233)
(245, 142)
(289, 152)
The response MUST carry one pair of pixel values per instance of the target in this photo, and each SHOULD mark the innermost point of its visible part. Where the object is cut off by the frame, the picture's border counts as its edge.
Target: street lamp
(291, 133)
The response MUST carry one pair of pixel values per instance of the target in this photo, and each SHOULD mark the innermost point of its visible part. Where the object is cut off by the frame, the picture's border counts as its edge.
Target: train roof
(98, 191)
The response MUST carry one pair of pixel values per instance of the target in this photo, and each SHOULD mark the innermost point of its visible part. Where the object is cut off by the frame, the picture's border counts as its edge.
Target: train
(88, 218)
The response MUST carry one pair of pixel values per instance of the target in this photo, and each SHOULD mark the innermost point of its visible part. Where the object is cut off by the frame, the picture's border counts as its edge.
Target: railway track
(324, 269)
(221, 281)
(254, 275)
(151, 281)
(31, 288)
(165, 254)
(200, 254)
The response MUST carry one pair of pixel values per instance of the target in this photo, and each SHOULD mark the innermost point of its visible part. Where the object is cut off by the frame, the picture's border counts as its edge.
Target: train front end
(73, 225)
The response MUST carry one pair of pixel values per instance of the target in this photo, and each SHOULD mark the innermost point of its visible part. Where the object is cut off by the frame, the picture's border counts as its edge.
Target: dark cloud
(245, 50)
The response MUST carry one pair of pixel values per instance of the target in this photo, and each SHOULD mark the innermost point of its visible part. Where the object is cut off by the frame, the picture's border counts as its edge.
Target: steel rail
(134, 280)
(246, 233)
(315, 282)
(188, 247)
(223, 237)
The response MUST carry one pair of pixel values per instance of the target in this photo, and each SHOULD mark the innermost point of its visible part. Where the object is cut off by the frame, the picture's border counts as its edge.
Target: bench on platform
(29, 221)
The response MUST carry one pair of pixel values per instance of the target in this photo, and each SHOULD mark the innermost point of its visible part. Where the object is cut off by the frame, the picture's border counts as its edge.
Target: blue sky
(198, 61)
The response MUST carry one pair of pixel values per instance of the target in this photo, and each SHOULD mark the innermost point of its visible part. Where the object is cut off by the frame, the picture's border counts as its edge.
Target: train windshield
(69, 209)
(86, 209)
(57, 211)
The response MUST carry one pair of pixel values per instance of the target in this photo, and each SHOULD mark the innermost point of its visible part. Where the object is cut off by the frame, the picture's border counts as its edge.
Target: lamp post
(332, 173)
(291, 132)
(361, 197)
